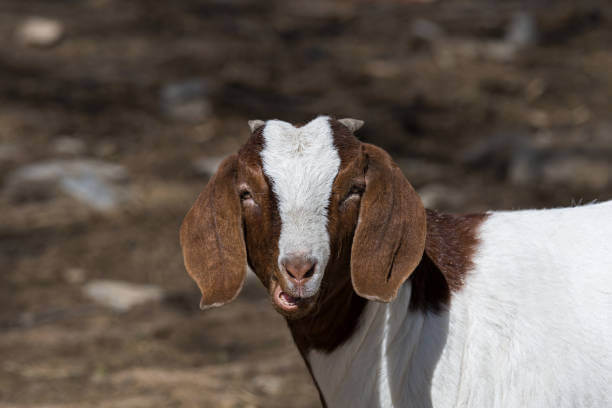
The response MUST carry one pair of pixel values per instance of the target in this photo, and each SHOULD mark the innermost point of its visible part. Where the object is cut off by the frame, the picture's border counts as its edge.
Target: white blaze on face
(301, 164)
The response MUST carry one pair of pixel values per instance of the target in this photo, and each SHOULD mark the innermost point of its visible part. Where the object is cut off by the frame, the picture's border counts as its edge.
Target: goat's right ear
(212, 239)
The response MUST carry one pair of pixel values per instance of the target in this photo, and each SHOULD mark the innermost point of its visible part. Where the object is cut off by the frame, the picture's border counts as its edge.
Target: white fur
(532, 327)
(301, 164)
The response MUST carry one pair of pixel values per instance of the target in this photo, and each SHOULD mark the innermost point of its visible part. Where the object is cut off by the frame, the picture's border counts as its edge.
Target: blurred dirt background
(113, 114)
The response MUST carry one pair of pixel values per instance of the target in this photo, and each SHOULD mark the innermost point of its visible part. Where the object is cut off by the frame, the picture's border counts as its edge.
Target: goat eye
(356, 190)
(354, 193)
(245, 195)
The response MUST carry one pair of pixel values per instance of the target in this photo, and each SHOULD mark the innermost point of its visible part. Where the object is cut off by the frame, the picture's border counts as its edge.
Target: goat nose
(299, 268)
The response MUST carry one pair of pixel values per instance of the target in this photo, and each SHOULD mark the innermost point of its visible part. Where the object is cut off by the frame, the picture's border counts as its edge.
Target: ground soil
(446, 105)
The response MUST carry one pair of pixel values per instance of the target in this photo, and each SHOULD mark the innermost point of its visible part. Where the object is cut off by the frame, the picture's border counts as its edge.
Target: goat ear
(390, 236)
(212, 239)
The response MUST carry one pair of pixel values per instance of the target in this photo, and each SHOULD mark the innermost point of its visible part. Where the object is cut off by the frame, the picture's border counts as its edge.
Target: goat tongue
(288, 298)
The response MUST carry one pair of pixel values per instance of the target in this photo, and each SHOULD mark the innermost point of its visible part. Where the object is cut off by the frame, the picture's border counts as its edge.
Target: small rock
(426, 30)
(499, 51)
(520, 34)
(54, 169)
(99, 184)
(186, 101)
(268, 384)
(92, 190)
(522, 30)
(40, 32)
(121, 296)
(74, 275)
(581, 115)
(383, 69)
(207, 166)
(69, 146)
(538, 119)
(535, 88)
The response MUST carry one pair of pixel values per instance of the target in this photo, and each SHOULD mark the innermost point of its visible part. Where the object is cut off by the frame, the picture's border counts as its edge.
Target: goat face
(308, 209)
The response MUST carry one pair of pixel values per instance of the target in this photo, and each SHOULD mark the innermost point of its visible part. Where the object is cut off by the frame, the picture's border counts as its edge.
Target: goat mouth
(285, 301)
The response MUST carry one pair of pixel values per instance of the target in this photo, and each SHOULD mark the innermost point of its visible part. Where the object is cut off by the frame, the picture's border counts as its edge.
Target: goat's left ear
(212, 239)
(390, 236)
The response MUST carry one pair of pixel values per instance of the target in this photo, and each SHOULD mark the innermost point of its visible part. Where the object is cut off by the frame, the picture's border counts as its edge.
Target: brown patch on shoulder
(449, 250)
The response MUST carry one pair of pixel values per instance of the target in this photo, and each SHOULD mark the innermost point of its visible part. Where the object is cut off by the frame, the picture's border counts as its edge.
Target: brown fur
(390, 236)
(212, 239)
(449, 250)
(261, 222)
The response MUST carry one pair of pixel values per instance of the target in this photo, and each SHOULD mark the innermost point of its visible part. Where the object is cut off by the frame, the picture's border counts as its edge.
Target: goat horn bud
(255, 124)
(353, 124)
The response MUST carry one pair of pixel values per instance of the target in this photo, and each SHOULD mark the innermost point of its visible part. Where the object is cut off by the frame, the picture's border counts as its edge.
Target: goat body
(531, 327)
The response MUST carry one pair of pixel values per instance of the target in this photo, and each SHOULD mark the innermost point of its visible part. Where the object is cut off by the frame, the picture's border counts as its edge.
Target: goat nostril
(289, 273)
(310, 272)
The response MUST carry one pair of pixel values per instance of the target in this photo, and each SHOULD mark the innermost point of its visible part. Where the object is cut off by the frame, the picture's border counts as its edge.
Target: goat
(393, 305)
